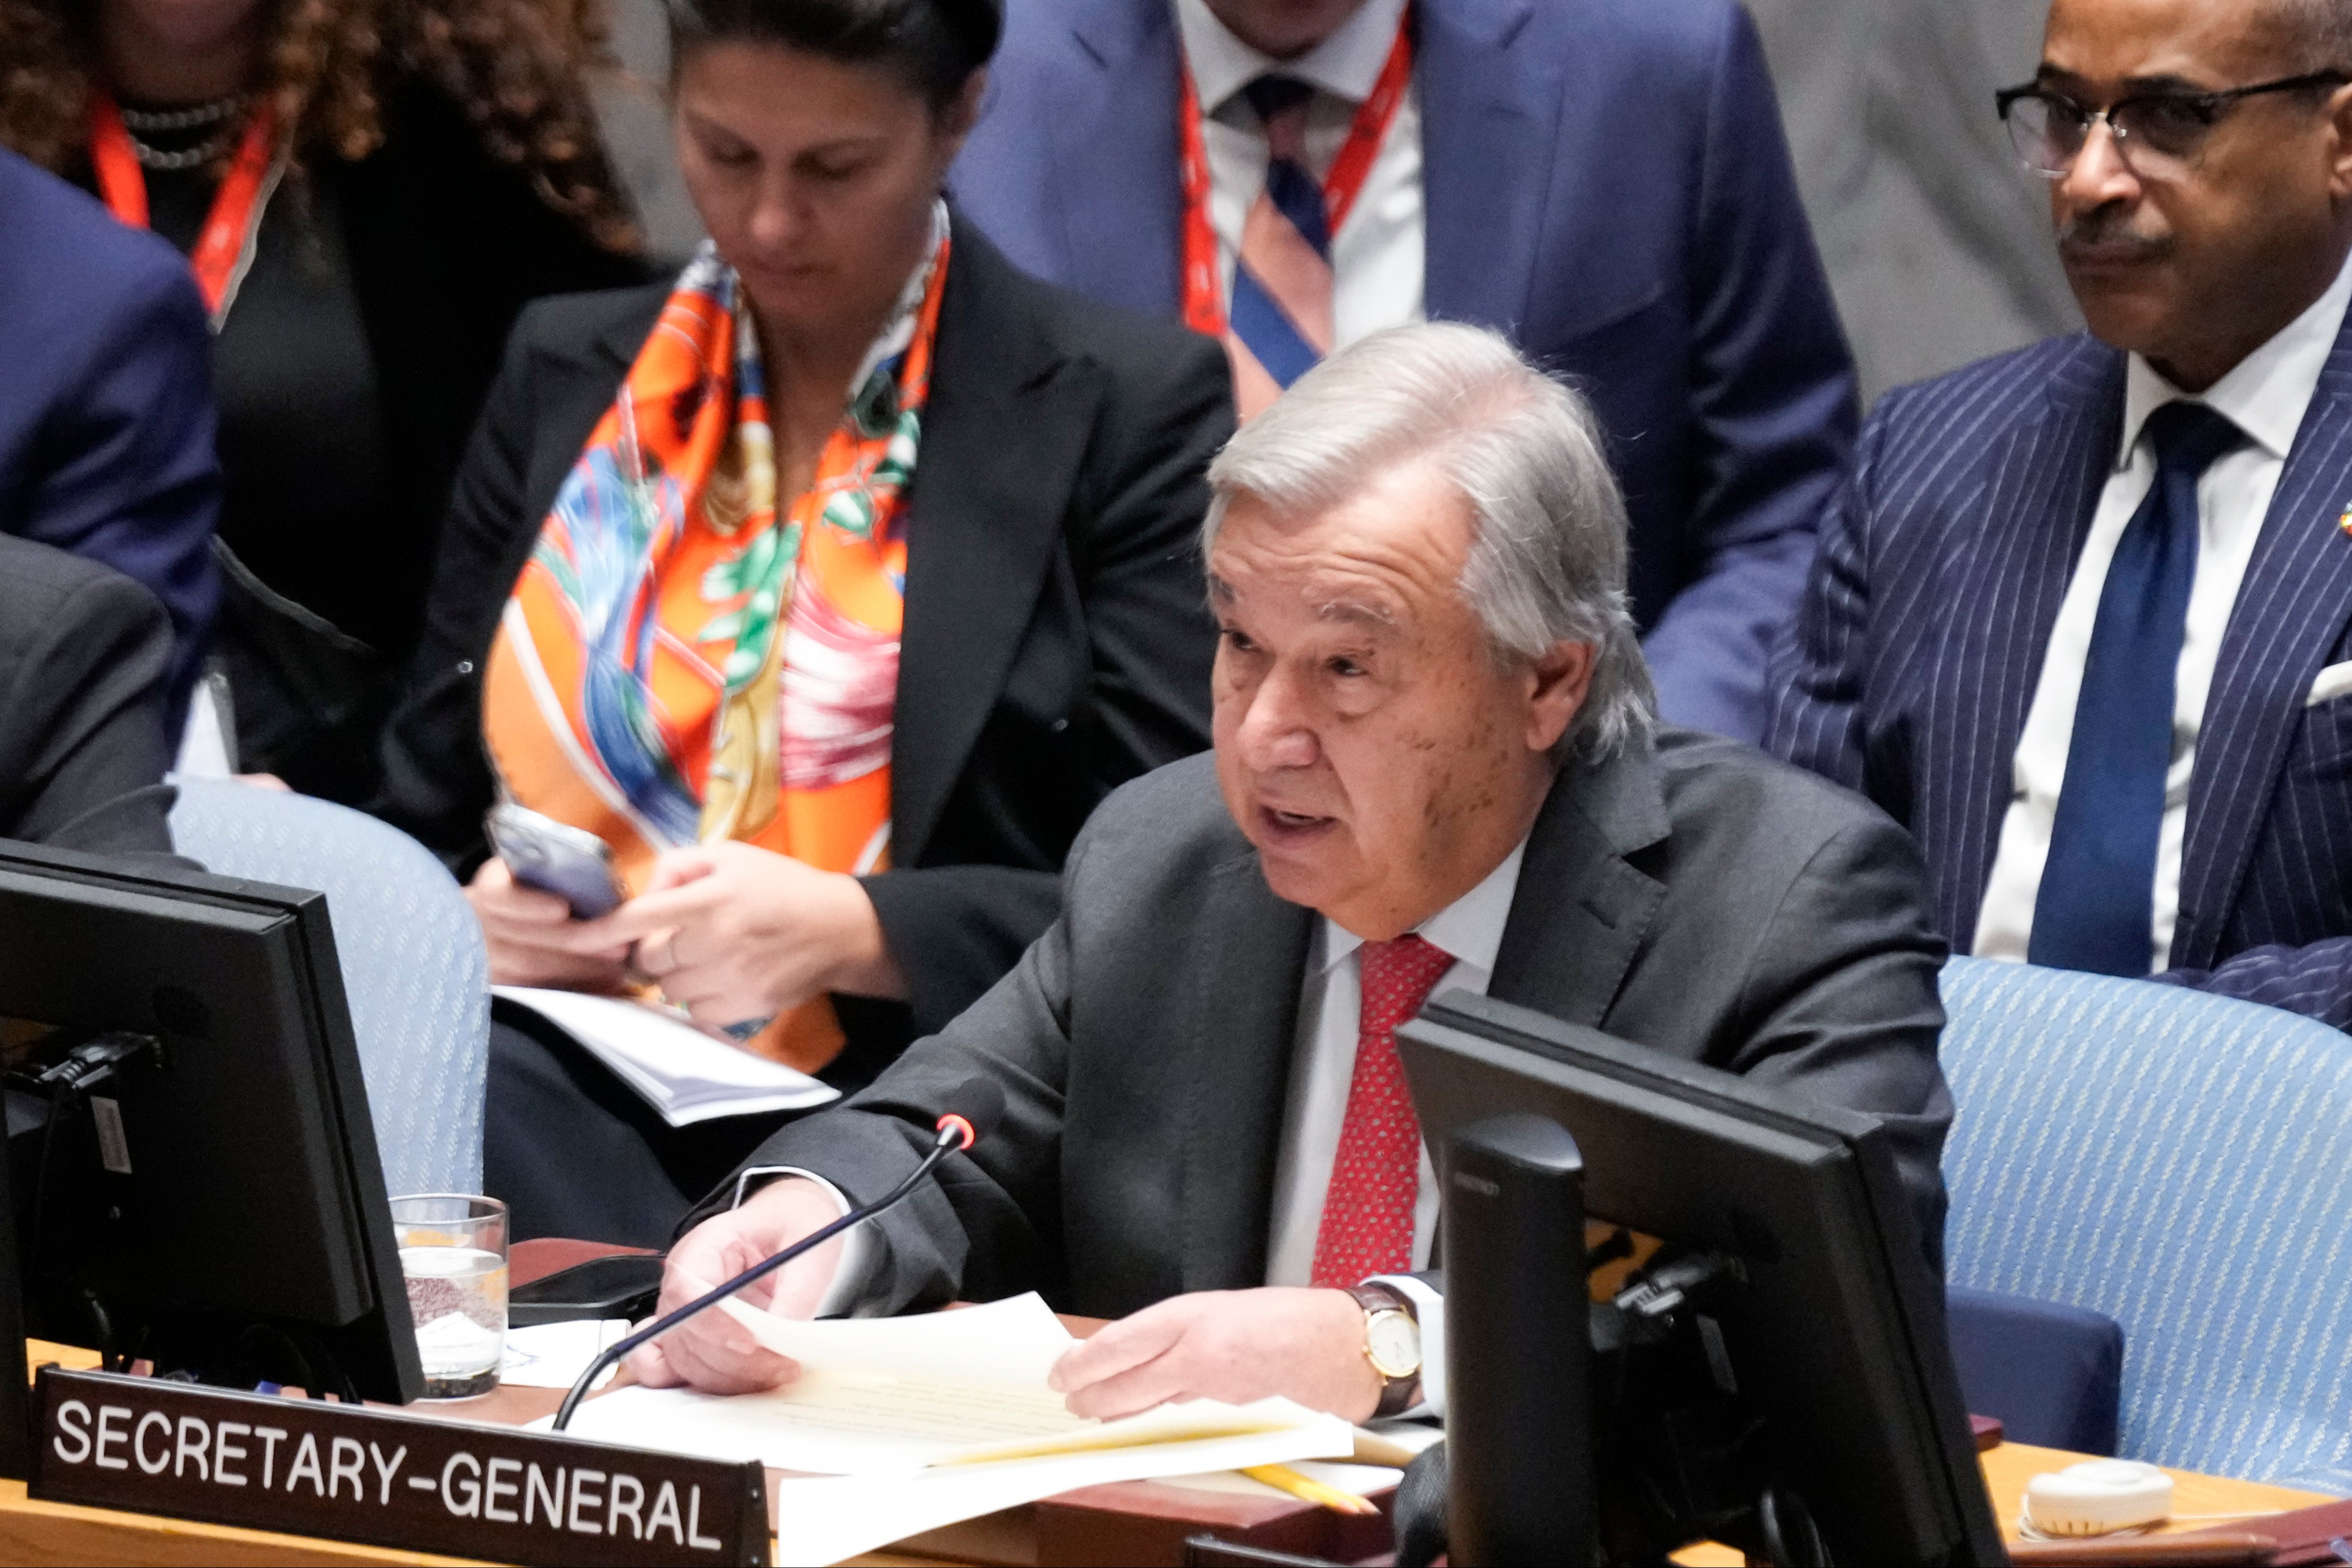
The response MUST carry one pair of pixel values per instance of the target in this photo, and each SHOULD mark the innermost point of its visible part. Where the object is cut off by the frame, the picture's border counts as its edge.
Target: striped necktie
(1279, 324)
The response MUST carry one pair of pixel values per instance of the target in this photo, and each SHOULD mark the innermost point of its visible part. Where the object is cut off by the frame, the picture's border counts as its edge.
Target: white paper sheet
(1396, 1441)
(683, 1074)
(551, 1355)
(1016, 1340)
(891, 1395)
(1358, 1480)
(874, 1395)
(826, 1519)
(1185, 1421)
(827, 1421)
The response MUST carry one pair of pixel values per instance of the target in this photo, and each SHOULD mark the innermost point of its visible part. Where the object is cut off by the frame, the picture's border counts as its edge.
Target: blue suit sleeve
(1773, 404)
(1821, 660)
(2315, 980)
(135, 479)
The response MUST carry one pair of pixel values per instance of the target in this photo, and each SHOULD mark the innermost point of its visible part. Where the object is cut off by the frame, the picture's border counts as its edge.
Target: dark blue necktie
(2097, 906)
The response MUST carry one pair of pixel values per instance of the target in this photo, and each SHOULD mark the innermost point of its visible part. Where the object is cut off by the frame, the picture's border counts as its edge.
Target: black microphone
(980, 1104)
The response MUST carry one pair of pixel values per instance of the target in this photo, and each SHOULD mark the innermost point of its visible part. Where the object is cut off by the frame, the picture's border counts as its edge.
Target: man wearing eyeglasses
(2079, 617)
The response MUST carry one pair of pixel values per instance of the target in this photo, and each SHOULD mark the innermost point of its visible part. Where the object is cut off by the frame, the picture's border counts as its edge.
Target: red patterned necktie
(1366, 1227)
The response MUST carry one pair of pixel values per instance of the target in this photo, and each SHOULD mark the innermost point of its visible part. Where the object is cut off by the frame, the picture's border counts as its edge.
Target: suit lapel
(569, 396)
(1244, 1032)
(2291, 611)
(1003, 437)
(2009, 575)
(1116, 157)
(1490, 129)
(1581, 912)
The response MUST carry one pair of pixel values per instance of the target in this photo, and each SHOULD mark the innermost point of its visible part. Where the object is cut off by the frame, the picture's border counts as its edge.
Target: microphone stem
(948, 1142)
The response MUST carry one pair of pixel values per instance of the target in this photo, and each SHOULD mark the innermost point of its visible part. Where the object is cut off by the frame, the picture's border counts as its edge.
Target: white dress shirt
(1323, 1066)
(2264, 395)
(1376, 256)
(1330, 1006)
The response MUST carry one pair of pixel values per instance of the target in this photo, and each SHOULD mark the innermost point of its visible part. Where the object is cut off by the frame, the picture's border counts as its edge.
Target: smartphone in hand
(555, 857)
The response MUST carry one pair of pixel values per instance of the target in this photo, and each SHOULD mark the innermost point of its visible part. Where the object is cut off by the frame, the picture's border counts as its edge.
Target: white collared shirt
(1323, 1065)
(1377, 258)
(2264, 395)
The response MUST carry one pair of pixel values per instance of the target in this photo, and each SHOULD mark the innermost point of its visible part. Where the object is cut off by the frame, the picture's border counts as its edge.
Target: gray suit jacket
(85, 663)
(1702, 899)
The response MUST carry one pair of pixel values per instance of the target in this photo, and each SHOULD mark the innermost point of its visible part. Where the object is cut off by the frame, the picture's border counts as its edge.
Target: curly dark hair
(517, 67)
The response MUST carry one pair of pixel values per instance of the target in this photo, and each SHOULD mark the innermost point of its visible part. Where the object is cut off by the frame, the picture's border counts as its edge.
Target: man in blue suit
(1606, 181)
(106, 403)
(2082, 616)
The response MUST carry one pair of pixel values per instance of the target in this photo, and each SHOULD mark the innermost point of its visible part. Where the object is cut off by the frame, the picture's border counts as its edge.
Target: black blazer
(1058, 642)
(448, 244)
(1700, 900)
(85, 654)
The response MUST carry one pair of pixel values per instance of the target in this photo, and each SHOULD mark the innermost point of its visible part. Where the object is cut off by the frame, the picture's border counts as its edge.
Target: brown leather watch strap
(1398, 1395)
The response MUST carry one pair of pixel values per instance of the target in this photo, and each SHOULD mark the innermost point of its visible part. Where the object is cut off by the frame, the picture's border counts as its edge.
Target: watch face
(1393, 1340)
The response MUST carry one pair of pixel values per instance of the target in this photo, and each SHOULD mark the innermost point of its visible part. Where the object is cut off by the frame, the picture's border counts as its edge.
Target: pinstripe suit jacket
(1916, 654)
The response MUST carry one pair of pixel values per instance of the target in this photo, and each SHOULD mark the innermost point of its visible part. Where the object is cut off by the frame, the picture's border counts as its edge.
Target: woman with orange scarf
(835, 674)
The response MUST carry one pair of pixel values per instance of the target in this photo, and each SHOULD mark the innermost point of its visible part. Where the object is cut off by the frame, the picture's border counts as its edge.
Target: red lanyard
(229, 227)
(1204, 295)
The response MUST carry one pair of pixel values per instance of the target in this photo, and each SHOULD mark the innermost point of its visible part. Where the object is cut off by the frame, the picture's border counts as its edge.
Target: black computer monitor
(215, 1205)
(1830, 1311)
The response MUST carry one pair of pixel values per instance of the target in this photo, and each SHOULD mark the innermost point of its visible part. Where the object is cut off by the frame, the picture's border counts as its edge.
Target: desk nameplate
(388, 1479)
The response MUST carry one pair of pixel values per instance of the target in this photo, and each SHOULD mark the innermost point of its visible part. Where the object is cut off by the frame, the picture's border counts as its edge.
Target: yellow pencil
(1306, 1489)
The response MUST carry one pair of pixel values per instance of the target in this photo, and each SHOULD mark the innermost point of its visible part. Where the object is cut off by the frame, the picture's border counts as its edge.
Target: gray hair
(1546, 560)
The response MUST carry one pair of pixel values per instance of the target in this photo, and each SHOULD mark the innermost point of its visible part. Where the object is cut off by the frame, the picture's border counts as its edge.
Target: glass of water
(453, 1252)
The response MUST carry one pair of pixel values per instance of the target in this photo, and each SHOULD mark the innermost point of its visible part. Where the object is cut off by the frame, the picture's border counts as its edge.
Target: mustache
(2108, 230)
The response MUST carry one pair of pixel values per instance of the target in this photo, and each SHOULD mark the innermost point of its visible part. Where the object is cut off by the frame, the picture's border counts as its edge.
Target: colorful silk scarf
(679, 664)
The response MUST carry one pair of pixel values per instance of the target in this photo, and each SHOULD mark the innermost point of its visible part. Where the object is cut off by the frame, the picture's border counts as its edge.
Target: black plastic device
(624, 1285)
(212, 1200)
(1519, 1464)
(1818, 1380)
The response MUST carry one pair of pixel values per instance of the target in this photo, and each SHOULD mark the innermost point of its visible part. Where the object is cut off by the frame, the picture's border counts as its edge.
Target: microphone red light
(969, 1135)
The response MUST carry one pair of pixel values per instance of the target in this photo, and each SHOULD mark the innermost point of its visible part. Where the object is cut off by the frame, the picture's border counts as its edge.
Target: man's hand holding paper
(1436, 769)
(1234, 1346)
(714, 1351)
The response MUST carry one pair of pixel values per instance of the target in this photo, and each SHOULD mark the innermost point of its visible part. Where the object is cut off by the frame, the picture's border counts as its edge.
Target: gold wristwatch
(1392, 1344)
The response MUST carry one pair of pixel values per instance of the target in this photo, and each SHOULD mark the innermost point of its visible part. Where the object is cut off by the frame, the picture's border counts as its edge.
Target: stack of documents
(685, 1074)
(904, 1424)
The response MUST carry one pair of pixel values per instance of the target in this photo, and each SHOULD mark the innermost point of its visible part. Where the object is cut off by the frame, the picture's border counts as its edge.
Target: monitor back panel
(1837, 1335)
(253, 1184)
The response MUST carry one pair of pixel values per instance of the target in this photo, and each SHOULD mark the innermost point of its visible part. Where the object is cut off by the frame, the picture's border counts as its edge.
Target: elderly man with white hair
(1435, 766)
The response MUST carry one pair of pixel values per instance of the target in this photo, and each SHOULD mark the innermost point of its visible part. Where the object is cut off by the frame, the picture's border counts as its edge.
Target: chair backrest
(412, 961)
(2183, 1164)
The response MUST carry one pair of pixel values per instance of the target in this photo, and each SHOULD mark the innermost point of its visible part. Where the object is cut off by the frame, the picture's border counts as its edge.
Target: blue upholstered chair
(2183, 1164)
(412, 956)
(2053, 1373)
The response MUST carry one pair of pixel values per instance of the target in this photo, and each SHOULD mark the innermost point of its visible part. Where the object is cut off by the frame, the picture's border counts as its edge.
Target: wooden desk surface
(2010, 1465)
(45, 1534)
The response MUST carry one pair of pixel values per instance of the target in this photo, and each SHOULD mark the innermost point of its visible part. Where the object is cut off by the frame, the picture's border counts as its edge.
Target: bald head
(2317, 35)
(2197, 257)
